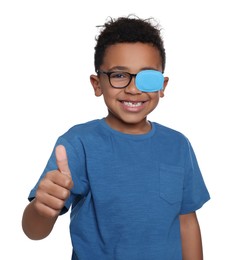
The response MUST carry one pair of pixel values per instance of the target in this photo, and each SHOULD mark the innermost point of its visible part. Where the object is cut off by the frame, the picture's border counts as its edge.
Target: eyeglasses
(146, 80)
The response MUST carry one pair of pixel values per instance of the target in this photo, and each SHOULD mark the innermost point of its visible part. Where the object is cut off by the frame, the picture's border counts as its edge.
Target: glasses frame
(108, 73)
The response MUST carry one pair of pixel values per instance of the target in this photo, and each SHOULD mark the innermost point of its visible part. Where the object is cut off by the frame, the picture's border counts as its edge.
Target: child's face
(128, 107)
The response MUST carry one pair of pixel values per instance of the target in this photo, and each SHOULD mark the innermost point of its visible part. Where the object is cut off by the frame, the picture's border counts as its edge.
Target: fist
(55, 187)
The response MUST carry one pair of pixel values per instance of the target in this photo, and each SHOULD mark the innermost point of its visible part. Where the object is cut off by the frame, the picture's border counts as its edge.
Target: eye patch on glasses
(149, 80)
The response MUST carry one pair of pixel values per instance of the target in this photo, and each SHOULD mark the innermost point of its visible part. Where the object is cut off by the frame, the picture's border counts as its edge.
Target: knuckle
(59, 205)
(65, 194)
(68, 183)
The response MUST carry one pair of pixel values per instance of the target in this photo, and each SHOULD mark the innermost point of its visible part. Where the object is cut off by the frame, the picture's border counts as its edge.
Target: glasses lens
(149, 80)
(119, 79)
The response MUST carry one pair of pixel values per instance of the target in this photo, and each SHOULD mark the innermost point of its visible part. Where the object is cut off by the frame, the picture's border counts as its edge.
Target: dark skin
(123, 116)
(41, 213)
(132, 120)
(128, 109)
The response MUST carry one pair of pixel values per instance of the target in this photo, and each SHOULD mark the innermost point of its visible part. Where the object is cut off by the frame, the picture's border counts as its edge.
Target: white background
(46, 57)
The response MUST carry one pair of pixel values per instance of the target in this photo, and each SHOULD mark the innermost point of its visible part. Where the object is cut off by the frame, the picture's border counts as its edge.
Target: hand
(55, 187)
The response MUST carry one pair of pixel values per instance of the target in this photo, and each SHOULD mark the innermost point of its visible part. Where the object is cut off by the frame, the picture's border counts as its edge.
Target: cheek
(110, 92)
(155, 96)
(105, 87)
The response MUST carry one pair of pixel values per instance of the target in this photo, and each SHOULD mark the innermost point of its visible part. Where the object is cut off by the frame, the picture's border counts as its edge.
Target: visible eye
(119, 75)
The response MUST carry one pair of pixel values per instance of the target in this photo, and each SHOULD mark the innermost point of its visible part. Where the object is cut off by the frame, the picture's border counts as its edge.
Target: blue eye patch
(149, 80)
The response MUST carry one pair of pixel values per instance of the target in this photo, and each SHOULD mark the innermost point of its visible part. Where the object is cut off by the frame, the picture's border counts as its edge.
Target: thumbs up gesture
(62, 162)
(55, 187)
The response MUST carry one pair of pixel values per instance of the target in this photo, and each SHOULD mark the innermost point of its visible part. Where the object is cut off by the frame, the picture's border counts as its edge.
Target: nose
(131, 88)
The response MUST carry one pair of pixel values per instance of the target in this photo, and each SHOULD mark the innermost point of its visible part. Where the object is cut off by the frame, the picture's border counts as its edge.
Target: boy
(133, 185)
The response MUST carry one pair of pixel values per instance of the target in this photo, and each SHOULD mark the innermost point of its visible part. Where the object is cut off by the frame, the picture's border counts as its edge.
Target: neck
(142, 127)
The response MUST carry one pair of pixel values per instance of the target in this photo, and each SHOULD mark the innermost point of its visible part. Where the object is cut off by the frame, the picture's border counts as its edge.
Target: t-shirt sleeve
(195, 192)
(76, 162)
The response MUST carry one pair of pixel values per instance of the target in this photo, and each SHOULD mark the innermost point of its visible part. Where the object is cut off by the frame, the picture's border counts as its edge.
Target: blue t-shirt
(129, 191)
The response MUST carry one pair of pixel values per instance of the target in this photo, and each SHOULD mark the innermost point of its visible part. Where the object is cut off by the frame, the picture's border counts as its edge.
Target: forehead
(134, 56)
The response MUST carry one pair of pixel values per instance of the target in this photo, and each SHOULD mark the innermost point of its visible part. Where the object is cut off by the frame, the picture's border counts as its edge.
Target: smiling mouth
(132, 104)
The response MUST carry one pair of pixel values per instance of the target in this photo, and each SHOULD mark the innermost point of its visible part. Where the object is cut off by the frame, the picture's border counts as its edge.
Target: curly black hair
(128, 29)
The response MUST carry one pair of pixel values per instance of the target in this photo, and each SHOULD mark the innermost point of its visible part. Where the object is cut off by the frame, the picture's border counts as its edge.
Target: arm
(34, 224)
(191, 237)
(42, 212)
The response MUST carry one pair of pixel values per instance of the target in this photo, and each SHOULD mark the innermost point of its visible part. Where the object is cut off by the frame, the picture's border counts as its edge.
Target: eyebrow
(118, 68)
(123, 68)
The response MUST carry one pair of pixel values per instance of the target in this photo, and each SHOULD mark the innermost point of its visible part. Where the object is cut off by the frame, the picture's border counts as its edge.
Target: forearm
(34, 225)
(191, 237)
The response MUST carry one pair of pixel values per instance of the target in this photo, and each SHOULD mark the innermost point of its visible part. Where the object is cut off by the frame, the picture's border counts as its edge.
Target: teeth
(131, 104)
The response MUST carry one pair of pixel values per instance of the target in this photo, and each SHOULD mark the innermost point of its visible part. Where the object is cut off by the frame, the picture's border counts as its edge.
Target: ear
(95, 81)
(166, 79)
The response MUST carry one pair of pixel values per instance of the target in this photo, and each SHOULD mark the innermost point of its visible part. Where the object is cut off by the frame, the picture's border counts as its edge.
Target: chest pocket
(171, 183)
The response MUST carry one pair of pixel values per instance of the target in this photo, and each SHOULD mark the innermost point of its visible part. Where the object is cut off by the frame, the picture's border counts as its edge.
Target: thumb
(61, 159)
